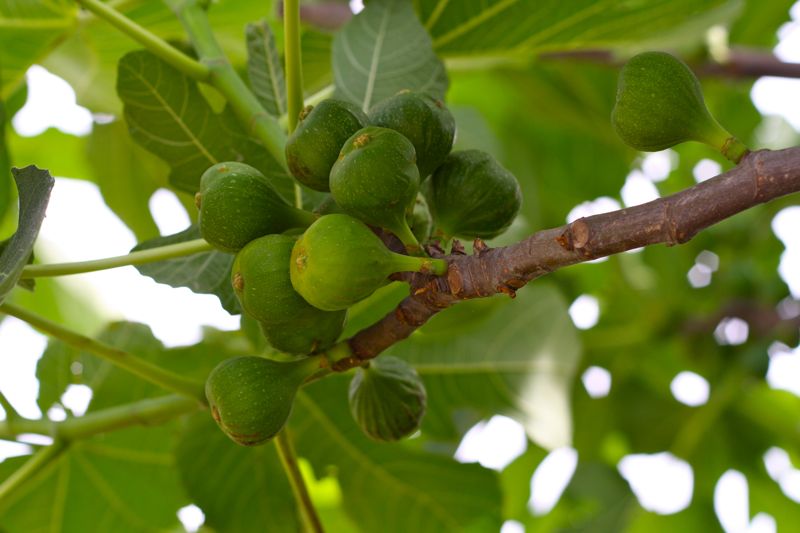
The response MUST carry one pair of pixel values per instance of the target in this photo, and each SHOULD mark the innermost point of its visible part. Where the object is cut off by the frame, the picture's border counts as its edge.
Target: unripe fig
(419, 219)
(423, 120)
(470, 195)
(387, 399)
(238, 204)
(375, 180)
(660, 104)
(251, 397)
(314, 145)
(339, 261)
(260, 279)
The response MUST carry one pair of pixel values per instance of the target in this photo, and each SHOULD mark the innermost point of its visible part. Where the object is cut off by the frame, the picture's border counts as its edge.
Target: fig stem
(426, 265)
(734, 150)
(314, 99)
(153, 43)
(124, 360)
(139, 257)
(406, 236)
(294, 73)
(11, 413)
(289, 462)
(38, 462)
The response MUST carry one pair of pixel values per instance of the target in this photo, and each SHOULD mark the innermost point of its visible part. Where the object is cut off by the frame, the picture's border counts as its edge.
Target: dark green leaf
(34, 186)
(382, 50)
(239, 489)
(205, 273)
(389, 487)
(168, 116)
(264, 68)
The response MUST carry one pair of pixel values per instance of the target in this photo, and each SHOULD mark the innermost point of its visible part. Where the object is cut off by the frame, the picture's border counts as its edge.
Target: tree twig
(760, 177)
(289, 461)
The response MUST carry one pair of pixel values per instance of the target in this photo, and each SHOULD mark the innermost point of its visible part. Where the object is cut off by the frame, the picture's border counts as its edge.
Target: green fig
(660, 104)
(387, 399)
(472, 196)
(339, 261)
(375, 180)
(419, 219)
(251, 397)
(423, 120)
(260, 279)
(314, 145)
(238, 204)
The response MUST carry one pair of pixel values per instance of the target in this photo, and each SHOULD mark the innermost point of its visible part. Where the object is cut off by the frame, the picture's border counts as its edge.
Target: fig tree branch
(37, 462)
(760, 177)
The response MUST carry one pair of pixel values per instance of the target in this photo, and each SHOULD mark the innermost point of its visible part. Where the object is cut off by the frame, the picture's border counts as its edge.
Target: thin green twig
(11, 413)
(294, 73)
(124, 360)
(289, 461)
(153, 43)
(170, 251)
(38, 462)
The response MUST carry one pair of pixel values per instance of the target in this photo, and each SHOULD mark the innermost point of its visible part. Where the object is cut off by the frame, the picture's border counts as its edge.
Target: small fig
(419, 219)
(660, 104)
(423, 120)
(251, 397)
(387, 399)
(238, 204)
(314, 145)
(339, 261)
(260, 279)
(375, 180)
(472, 196)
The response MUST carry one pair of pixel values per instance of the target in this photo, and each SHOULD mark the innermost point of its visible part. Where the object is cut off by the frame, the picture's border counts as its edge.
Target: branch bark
(760, 177)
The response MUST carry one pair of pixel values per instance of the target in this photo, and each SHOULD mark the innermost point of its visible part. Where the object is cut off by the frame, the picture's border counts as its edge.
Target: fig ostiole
(339, 261)
(660, 103)
(387, 399)
(314, 145)
(375, 179)
(472, 196)
(238, 204)
(251, 397)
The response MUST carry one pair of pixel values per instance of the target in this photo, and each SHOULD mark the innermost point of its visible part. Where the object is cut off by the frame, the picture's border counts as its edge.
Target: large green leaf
(34, 186)
(389, 487)
(127, 176)
(515, 357)
(167, 114)
(520, 28)
(29, 29)
(382, 50)
(239, 489)
(205, 273)
(264, 68)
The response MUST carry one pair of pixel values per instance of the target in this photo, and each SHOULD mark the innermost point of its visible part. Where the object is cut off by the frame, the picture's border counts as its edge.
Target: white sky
(662, 482)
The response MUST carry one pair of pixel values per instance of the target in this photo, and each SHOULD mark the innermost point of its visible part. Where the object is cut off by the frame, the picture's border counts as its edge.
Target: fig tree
(237, 204)
(339, 261)
(423, 120)
(471, 195)
(387, 399)
(251, 397)
(314, 145)
(375, 180)
(660, 104)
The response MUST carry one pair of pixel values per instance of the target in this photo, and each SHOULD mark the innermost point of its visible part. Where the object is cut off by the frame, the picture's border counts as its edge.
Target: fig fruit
(238, 204)
(314, 145)
(423, 120)
(339, 261)
(387, 399)
(472, 196)
(260, 279)
(375, 180)
(251, 397)
(660, 104)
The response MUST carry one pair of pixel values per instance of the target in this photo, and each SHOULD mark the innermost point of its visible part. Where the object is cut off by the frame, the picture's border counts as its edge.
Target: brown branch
(741, 63)
(760, 177)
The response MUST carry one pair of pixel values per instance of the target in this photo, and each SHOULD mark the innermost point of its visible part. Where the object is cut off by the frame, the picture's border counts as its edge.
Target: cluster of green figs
(389, 172)
(392, 179)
